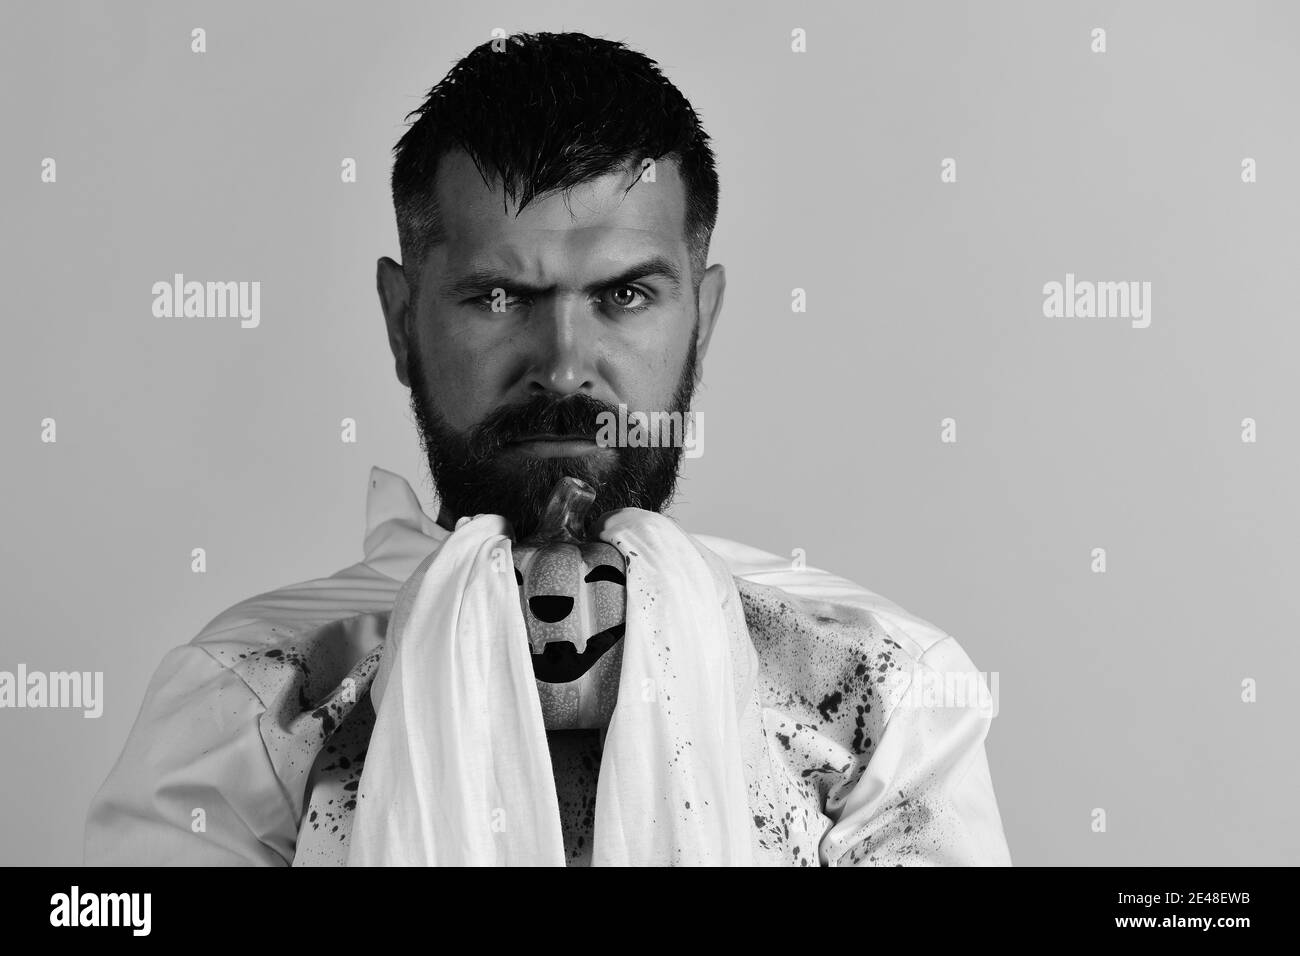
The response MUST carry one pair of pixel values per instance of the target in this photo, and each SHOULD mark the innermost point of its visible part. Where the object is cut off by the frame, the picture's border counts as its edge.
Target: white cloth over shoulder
(458, 769)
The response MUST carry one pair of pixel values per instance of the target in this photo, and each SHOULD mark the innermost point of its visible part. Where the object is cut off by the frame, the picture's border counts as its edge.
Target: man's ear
(713, 286)
(394, 299)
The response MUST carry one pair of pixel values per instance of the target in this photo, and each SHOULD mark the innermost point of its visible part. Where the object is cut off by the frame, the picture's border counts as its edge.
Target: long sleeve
(194, 785)
(926, 797)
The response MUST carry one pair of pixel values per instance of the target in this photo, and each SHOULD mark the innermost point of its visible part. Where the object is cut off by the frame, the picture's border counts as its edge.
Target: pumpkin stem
(566, 511)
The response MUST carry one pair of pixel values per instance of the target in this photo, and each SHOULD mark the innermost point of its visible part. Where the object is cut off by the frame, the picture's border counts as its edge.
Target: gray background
(1119, 691)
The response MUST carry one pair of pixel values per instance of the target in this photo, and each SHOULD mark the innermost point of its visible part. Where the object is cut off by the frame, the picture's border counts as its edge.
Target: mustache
(577, 415)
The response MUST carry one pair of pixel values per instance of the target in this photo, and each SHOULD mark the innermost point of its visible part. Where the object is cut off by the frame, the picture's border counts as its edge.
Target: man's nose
(564, 347)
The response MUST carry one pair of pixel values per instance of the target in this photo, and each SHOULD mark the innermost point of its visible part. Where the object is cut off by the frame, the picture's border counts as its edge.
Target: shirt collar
(399, 534)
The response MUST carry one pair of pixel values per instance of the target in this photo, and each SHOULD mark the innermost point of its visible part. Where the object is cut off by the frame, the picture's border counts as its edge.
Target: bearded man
(704, 703)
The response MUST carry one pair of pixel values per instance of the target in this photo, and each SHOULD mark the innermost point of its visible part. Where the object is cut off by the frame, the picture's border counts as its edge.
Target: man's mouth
(574, 437)
(555, 446)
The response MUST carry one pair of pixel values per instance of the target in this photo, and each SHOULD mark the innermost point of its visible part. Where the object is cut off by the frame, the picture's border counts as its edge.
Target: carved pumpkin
(573, 594)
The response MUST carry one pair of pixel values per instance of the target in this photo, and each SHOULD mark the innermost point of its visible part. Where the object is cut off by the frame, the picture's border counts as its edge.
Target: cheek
(461, 378)
(648, 380)
(653, 357)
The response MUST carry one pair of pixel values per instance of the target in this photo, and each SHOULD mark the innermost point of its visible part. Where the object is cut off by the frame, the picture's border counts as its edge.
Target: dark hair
(544, 112)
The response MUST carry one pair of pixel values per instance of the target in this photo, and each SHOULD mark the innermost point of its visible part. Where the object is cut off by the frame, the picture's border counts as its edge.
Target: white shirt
(251, 738)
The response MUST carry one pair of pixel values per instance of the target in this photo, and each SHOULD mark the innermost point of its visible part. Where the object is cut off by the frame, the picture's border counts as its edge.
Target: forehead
(598, 221)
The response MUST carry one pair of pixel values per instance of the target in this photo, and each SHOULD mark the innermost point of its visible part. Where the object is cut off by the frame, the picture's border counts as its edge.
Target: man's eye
(627, 298)
(498, 301)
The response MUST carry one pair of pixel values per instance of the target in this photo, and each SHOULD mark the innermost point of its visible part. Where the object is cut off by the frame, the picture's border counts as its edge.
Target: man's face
(595, 307)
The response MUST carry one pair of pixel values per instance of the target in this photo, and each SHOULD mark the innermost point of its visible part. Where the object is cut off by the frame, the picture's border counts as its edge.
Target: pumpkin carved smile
(560, 663)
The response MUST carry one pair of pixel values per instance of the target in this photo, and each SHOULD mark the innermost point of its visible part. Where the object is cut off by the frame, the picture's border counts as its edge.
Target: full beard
(473, 477)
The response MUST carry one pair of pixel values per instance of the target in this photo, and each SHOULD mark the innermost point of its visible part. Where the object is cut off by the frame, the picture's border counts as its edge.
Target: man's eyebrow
(481, 281)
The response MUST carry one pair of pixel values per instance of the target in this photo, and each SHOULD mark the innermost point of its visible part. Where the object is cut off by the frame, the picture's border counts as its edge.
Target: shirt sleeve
(194, 785)
(925, 797)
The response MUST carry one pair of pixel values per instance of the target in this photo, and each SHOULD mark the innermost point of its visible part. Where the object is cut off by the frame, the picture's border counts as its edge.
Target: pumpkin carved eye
(604, 572)
(550, 608)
